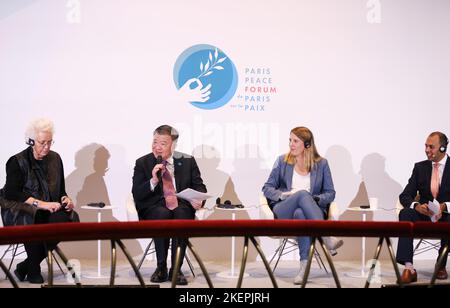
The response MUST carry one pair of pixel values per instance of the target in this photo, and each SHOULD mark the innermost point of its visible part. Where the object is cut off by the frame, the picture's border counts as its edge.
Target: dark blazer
(25, 178)
(187, 175)
(420, 183)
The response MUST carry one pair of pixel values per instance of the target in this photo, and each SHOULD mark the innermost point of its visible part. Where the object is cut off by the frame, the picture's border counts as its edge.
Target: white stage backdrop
(370, 78)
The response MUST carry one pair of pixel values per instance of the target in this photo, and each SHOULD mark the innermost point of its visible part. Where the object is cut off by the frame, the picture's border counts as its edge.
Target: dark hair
(443, 140)
(167, 131)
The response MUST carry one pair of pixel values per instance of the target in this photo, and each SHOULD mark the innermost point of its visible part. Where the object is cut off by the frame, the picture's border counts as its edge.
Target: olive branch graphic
(210, 66)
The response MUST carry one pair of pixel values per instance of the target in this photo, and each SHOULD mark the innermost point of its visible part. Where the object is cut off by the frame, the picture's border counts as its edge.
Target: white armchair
(289, 244)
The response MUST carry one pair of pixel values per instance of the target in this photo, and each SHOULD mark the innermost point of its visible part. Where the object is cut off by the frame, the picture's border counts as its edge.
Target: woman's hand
(52, 207)
(69, 203)
(286, 195)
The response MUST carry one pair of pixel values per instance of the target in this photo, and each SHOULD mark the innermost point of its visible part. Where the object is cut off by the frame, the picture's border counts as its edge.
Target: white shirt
(442, 165)
(170, 167)
(301, 182)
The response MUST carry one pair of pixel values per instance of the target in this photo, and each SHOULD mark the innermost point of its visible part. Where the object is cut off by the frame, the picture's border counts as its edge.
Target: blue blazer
(280, 180)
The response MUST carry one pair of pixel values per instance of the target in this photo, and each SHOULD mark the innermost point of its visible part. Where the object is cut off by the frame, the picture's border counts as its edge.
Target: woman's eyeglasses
(46, 143)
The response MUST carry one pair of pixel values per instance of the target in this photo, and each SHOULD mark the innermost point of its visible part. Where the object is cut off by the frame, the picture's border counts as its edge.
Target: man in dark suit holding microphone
(158, 176)
(431, 181)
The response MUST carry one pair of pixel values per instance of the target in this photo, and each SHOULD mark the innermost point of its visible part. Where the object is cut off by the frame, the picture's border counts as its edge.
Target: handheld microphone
(159, 161)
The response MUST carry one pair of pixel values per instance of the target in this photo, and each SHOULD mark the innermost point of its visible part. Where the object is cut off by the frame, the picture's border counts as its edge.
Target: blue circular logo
(205, 76)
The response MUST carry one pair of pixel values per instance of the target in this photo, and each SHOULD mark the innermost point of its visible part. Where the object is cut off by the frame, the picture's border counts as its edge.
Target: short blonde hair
(41, 125)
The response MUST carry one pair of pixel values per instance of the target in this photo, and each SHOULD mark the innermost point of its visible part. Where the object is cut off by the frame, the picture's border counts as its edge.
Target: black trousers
(405, 249)
(37, 252)
(161, 212)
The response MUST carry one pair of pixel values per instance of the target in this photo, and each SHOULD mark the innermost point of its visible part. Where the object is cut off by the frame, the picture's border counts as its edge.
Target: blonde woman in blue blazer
(300, 186)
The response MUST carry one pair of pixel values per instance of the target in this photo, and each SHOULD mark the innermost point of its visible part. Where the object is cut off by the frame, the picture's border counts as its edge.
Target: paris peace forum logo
(205, 77)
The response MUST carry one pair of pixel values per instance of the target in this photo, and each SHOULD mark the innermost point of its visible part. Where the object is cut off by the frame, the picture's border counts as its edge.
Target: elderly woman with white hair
(35, 193)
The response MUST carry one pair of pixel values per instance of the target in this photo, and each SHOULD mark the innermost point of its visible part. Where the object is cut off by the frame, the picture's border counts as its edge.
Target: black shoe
(181, 280)
(35, 278)
(21, 271)
(160, 275)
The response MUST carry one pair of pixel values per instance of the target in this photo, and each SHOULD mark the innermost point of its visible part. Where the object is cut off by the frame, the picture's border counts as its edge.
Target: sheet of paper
(193, 195)
(435, 208)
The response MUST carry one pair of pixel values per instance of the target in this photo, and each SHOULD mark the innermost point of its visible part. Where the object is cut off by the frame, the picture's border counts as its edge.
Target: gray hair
(41, 125)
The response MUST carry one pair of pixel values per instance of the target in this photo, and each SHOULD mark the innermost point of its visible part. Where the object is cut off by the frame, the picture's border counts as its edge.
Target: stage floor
(257, 278)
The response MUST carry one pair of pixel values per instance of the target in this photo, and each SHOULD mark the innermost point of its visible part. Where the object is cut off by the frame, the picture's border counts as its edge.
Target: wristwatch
(35, 203)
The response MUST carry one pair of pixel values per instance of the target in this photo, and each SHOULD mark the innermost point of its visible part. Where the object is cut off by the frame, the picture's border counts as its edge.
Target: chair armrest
(333, 211)
(264, 210)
